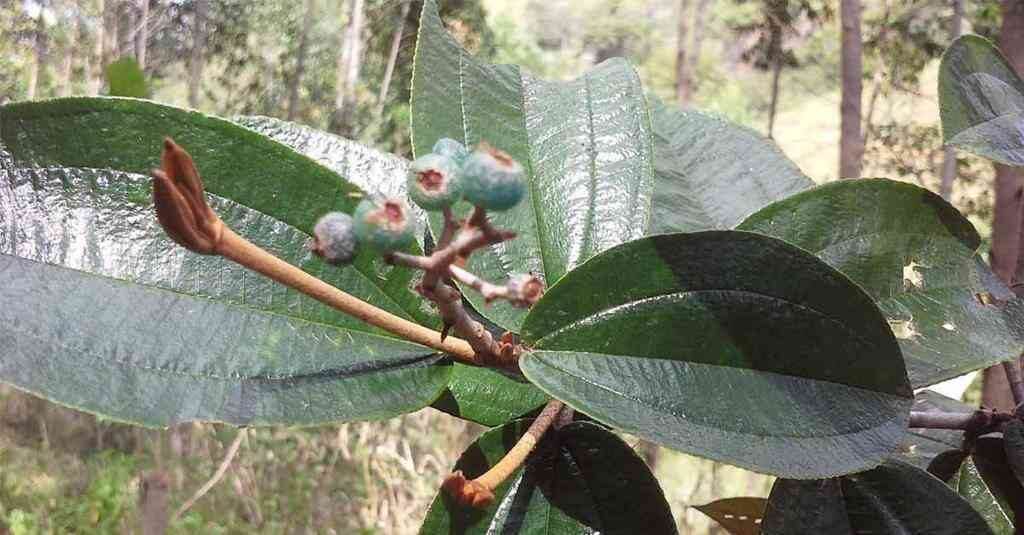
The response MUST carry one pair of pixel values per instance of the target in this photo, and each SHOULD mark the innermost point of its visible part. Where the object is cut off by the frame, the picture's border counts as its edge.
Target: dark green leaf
(892, 499)
(981, 101)
(729, 345)
(802, 507)
(102, 312)
(918, 258)
(236, 164)
(989, 456)
(711, 173)
(585, 146)
(126, 79)
(969, 484)
(1013, 435)
(739, 516)
(480, 395)
(581, 479)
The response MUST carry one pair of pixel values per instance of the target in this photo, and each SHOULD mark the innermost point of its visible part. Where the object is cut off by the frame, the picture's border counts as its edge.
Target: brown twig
(221, 470)
(187, 218)
(978, 422)
(479, 492)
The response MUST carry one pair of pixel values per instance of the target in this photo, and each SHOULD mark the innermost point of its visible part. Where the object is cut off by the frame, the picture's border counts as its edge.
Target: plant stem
(978, 421)
(244, 252)
(221, 470)
(479, 492)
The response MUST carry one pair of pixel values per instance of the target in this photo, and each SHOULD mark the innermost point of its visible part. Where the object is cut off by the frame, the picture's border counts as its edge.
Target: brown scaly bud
(181, 204)
(467, 492)
(524, 290)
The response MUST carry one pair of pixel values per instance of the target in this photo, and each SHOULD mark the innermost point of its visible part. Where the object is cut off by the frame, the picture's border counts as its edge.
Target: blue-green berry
(491, 179)
(384, 225)
(447, 146)
(434, 182)
(334, 239)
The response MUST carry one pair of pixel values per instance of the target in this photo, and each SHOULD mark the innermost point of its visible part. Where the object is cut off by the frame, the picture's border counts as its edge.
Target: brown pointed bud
(525, 290)
(467, 492)
(181, 204)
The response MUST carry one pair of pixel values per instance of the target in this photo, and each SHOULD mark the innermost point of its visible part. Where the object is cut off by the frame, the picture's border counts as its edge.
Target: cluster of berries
(487, 178)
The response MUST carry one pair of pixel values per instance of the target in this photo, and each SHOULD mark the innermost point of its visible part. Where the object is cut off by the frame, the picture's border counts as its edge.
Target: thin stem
(221, 470)
(244, 252)
(487, 289)
(479, 492)
(1013, 376)
(979, 421)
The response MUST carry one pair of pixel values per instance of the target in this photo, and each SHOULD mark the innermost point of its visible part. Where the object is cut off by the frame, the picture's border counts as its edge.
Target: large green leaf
(236, 163)
(711, 173)
(729, 345)
(893, 499)
(969, 483)
(585, 146)
(582, 479)
(918, 258)
(102, 312)
(477, 394)
(981, 101)
(1013, 436)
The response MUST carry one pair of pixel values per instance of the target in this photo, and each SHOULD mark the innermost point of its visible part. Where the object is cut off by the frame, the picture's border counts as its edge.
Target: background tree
(851, 145)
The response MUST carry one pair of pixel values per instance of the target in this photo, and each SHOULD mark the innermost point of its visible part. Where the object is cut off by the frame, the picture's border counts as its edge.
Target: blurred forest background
(345, 66)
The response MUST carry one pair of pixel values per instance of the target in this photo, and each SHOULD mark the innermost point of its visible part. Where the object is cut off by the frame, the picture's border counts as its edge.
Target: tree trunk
(339, 79)
(949, 153)
(776, 75)
(350, 64)
(68, 67)
(300, 61)
(98, 60)
(851, 147)
(396, 43)
(142, 34)
(1005, 256)
(698, 40)
(38, 57)
(682, 74)
(195, 67)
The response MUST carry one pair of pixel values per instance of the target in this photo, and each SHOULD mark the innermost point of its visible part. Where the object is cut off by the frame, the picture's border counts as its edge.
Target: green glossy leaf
(236, 164)
(729, 345)
(585, 146)
(477, 394)
(1013, 435)
(126, 79)
(894, 498)
(582, 479)
(935, 450)
(918, 258)
(710, 173)
(969, 484)
(104, 313)
(739, 516)
(989, 456)
(981, 101)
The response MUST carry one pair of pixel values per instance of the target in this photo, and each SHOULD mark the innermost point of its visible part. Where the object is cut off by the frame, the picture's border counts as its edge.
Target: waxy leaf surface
(710, 173)
(892, 499)
(477, 394)
(102, 312)
(918, 258)
(581, 480)
(585, 146)
(981, 101)
(730, 345)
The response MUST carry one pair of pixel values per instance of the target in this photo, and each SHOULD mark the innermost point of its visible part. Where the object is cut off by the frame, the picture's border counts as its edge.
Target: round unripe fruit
(334, 239)
(491, 179)
(447, 146)
(434, 182)
(383, 224)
